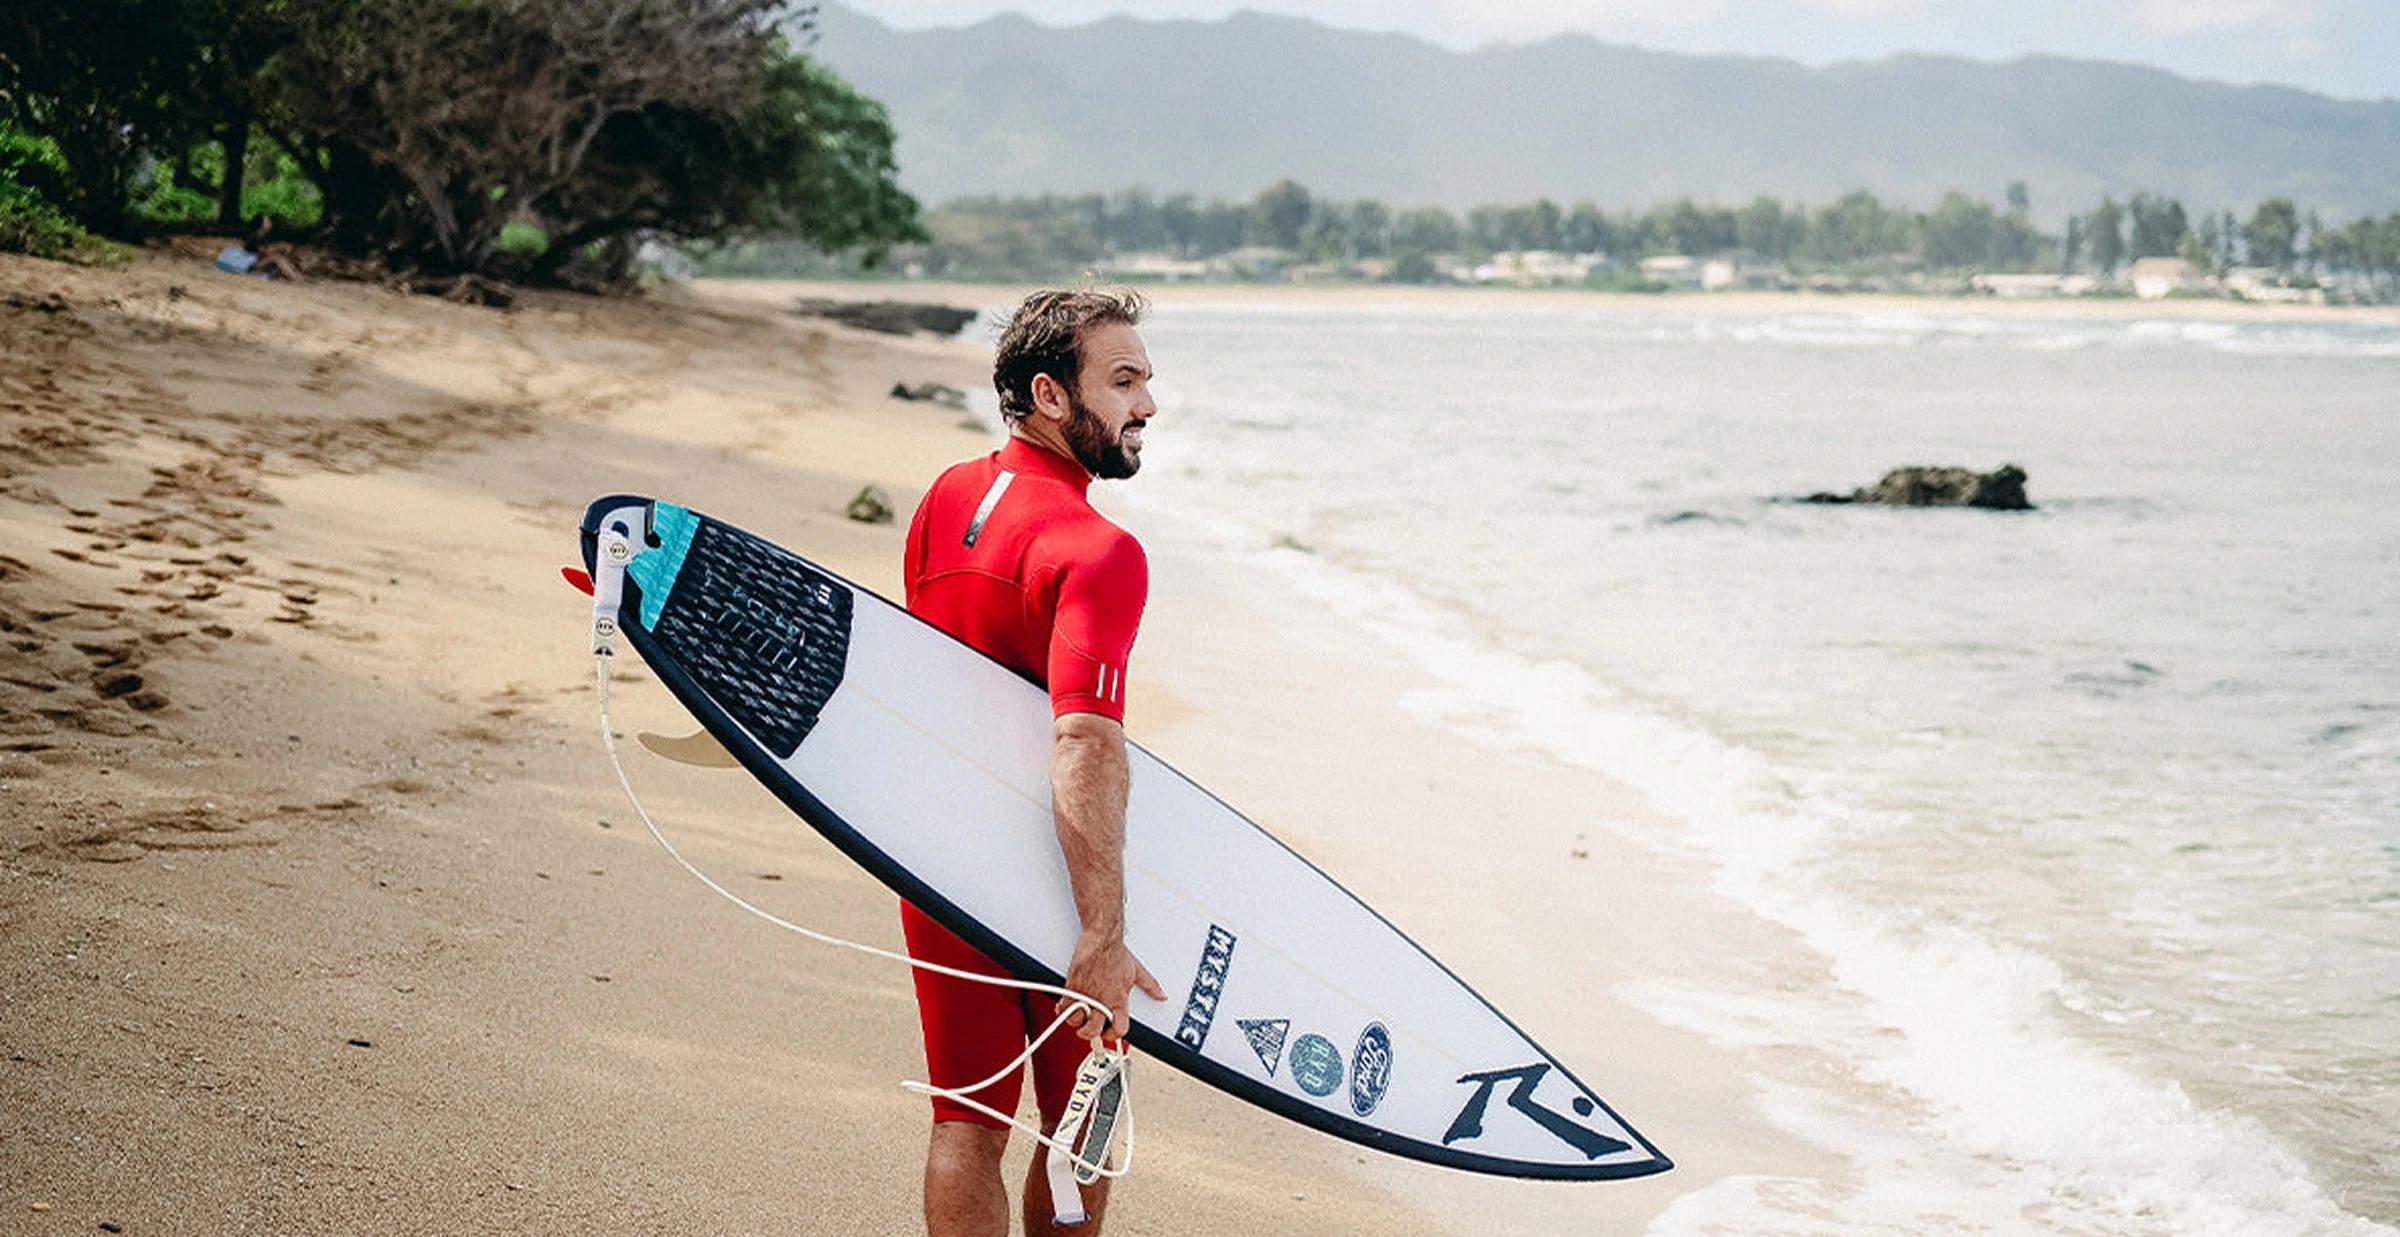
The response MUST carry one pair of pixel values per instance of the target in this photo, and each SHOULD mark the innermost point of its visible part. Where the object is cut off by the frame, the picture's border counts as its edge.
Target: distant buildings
(2027, 287)
(2157, 278)
(2146, 278)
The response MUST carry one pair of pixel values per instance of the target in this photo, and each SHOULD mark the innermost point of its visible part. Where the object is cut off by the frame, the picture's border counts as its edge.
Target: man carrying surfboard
(1006, 554)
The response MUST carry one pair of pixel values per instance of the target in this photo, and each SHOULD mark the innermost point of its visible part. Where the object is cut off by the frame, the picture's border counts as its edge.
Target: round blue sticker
(1316, 1065)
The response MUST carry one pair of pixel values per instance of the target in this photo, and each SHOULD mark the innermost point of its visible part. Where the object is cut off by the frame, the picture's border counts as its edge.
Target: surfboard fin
(700, 750)
(578, 577)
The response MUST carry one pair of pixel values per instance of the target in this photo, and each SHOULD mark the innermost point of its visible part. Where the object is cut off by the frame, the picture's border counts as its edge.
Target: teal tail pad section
(762, 632)
(658, 567)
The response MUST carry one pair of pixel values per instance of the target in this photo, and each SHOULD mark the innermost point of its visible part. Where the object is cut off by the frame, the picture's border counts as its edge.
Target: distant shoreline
(2107, 309)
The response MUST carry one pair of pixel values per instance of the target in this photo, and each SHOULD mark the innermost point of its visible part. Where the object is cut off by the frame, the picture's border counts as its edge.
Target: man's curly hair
(1046, 337)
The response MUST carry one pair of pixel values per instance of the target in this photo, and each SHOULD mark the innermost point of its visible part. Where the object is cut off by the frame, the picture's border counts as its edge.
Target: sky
(2345, 48)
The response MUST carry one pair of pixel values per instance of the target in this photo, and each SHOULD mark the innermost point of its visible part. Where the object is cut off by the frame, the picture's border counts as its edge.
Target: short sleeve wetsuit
(1007, 554)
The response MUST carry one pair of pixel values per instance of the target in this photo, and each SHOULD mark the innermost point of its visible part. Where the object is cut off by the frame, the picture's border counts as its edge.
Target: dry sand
(324, 914)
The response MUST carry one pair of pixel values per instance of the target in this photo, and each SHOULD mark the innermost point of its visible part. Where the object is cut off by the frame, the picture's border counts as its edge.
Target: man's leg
(964, 1196)
(1038, 1213)
(971, 1032)
(1055, 1066)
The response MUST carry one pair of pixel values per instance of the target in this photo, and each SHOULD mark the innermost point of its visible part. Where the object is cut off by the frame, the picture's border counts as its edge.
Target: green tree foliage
(2106, 227)
(124, 84)
(189, 190)
(1858, 241)
(809, 158)
(1370, 228)
(2368, 248)
(1588, 229)
(476, 110)
(33, 178)
(102, 81)
(1686, 226)
(1857, 228)
(428, 126)
(2273, 233)
(1963, 233)
(1425, 230)
(2159, 226)
(1767, 229)
(1278, 214)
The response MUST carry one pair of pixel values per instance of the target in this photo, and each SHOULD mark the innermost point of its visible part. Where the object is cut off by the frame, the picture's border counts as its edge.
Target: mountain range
(1224, 108)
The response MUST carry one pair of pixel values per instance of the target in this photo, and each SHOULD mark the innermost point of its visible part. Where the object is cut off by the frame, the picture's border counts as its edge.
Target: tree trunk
(236, 143)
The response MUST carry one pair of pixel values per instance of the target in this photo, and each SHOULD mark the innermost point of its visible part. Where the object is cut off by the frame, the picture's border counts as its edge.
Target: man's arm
(1089, 780)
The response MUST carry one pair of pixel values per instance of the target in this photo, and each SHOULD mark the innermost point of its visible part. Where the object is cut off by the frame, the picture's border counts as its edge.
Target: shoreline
(2109, 309)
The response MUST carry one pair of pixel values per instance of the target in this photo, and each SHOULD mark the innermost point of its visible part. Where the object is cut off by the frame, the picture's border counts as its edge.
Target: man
(1006, 554)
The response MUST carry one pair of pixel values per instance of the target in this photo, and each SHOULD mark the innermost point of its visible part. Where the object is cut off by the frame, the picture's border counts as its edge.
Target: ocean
(2093, 811)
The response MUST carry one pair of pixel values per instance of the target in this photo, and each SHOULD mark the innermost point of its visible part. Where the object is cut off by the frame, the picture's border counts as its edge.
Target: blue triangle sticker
(1266, 1039)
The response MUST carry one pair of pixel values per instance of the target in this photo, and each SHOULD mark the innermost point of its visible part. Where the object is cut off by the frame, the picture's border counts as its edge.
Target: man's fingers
(1149, 982)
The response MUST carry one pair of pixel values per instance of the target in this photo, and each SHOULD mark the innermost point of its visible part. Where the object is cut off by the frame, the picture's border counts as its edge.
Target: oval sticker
(1370, 1069)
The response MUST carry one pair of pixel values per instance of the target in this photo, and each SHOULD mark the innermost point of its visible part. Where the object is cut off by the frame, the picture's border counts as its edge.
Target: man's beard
(1102, 456)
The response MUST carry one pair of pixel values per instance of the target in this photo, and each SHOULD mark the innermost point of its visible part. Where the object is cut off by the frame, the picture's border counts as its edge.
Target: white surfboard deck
(928, 763)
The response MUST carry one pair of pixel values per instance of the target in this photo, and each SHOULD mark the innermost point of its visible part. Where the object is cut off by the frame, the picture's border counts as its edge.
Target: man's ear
(1049, 397)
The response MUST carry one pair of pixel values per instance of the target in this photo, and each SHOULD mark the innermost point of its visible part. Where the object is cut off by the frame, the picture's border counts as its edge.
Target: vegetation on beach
(1856, 242)
(420, 132)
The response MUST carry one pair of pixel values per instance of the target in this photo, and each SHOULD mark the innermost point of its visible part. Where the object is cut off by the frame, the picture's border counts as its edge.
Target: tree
(2159, 226)
(107, 82)
(1685, 226)
(1857, 227)
(1278, 214)
(2107, 230)
(1587, 230)
(1960, 232)
(1765, 228)
(809, 158)
(1326, 236)
(1370, 228)
(2273, 233)
(1425, 230)
(453, 116)
(227, 83)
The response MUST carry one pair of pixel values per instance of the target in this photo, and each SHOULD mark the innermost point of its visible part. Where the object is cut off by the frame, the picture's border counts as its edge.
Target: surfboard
(928, 764)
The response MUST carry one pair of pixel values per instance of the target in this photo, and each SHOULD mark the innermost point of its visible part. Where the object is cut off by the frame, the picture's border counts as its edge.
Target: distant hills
(1224, 108)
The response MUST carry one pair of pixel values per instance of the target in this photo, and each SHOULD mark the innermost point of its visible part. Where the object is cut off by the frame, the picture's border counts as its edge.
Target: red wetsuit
(1007, 555)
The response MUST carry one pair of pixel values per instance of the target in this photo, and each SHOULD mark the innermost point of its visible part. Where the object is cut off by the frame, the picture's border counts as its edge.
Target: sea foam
(1971, 1106)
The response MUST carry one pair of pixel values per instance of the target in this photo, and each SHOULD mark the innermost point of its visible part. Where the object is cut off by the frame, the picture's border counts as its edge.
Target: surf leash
(1094, 1136)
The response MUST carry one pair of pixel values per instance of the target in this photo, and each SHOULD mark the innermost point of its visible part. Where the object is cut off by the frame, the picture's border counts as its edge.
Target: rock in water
(889, 317)
(2000, 490)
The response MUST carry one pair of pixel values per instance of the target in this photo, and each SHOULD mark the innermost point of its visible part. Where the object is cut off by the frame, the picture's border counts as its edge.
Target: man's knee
(965, 1147)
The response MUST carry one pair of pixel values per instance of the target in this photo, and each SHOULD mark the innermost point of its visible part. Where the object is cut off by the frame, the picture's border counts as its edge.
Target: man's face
(1110, 402)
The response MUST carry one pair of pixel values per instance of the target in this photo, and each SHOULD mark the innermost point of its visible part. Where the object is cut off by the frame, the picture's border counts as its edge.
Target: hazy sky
(2347, 48)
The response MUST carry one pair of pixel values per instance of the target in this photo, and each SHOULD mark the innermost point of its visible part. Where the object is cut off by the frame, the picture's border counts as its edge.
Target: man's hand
(1088, 784)
(1106, 971)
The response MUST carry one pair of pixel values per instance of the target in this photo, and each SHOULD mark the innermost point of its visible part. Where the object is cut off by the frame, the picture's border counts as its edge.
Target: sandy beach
(324, 911)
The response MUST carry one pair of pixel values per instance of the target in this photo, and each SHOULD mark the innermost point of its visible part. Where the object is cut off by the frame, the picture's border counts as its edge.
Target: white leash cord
(1061, 1144)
